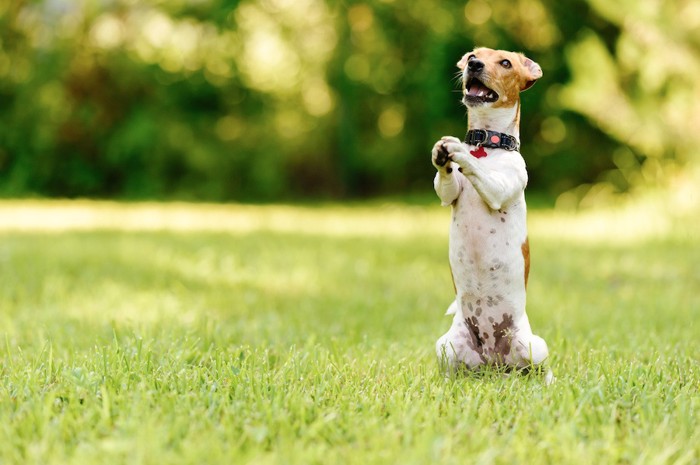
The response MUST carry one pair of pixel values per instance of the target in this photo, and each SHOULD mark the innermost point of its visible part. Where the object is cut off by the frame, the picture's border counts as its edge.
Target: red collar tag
(480, 152)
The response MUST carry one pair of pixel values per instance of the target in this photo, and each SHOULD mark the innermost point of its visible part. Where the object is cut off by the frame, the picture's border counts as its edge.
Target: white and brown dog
(484, 179)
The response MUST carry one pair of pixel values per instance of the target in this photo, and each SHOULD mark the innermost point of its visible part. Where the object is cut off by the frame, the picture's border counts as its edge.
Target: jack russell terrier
(483, 179)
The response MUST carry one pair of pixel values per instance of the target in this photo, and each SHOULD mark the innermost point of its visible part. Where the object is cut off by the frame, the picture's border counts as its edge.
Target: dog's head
(496, 77)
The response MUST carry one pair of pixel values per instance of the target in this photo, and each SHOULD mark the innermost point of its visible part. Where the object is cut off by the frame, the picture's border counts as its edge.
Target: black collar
(491, 139)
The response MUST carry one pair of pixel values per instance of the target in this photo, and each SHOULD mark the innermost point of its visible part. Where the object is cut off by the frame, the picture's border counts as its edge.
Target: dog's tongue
(477, 89)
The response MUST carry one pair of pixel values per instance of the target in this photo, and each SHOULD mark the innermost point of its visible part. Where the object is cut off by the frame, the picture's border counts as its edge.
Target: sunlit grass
(655, 218)
(181, 333)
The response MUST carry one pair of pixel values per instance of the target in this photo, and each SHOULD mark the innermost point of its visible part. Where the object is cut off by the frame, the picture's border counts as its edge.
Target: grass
(155, 334)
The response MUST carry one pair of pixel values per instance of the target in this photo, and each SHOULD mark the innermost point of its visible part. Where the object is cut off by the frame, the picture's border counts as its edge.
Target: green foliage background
(279, 99)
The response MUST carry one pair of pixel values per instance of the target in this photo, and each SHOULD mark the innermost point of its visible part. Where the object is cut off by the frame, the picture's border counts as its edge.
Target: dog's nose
(475, 65)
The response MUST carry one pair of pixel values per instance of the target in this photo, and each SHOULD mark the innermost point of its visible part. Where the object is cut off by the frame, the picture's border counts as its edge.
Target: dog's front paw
(440, 155)
(457, 151)
(453, 145)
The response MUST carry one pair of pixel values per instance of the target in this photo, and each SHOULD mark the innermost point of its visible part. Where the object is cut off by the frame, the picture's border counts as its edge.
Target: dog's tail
(452, 309)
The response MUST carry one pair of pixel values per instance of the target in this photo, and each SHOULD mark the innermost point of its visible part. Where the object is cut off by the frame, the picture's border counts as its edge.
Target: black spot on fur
(503, 335)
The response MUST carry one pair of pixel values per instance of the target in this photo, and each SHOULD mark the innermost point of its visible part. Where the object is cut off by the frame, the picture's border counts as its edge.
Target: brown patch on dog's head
(504, 73)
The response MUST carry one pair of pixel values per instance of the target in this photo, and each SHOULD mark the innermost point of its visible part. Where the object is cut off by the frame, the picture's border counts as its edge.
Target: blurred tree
(263, 100)
(641, 89)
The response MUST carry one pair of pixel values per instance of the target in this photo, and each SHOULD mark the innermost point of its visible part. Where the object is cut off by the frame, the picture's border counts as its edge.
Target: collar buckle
(476, 137)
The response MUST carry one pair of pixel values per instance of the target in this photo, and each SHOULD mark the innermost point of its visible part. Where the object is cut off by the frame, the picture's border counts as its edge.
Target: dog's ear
(461, 64)
(532, 72)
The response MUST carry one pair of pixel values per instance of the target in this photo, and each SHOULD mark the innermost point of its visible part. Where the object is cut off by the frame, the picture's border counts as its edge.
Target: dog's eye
(506, 64)
(471, 57)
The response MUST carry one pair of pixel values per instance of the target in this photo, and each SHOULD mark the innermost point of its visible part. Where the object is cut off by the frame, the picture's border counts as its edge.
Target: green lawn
(155, 334)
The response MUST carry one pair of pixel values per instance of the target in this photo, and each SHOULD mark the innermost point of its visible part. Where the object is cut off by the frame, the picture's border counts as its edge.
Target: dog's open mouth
(475, 90)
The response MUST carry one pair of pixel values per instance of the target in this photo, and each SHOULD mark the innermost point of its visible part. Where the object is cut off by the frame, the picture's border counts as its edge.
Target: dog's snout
(475, 65)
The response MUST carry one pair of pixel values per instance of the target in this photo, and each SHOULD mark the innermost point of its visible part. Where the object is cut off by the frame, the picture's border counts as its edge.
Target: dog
(484, 179)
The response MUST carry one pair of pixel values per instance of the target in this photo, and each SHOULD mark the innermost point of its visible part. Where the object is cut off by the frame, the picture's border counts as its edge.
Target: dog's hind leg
(532, 350)
(452, 349)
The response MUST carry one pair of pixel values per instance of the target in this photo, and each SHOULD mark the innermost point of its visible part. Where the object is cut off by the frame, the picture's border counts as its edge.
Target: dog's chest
(486, 254)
